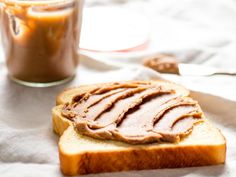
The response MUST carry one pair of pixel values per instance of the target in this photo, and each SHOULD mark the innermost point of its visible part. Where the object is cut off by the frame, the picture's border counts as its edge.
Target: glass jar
(40, 39)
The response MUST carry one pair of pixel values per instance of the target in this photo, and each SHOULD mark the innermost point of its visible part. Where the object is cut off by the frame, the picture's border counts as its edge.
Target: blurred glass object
(40, 40)
(113, 29)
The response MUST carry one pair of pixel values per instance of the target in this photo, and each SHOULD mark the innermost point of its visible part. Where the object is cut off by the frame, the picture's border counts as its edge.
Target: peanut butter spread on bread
(133, 112)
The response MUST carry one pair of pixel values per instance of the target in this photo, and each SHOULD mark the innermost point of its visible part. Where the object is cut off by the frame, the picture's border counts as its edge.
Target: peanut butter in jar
(40, 39)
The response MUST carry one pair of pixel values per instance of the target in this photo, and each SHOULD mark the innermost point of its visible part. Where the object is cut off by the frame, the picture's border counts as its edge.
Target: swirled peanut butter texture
(135, 113)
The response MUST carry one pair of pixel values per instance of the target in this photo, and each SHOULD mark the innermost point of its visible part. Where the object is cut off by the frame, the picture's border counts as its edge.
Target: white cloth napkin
(28, 146)
(198, 31)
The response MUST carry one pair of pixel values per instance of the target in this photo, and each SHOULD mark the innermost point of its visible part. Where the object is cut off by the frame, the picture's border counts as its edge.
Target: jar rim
(36, 2)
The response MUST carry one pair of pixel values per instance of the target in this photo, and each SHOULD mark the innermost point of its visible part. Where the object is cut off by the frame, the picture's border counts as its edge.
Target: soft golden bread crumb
(82, 155)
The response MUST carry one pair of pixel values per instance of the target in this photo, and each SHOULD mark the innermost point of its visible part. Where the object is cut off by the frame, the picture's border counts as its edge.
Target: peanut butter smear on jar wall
(41, 38)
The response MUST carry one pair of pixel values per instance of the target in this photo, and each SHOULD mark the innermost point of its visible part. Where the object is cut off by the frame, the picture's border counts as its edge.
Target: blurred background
(195, 31)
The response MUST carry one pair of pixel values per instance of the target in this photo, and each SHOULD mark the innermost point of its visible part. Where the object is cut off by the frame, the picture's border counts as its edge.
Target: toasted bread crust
(60, 124)
(136, 158)
(131, 157)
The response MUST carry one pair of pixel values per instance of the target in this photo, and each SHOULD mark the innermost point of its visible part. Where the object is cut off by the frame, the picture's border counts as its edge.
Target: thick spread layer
(134, 113)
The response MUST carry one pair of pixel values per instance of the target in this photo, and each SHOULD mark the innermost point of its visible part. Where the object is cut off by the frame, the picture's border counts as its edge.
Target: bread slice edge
(77, 156)
(83, 155)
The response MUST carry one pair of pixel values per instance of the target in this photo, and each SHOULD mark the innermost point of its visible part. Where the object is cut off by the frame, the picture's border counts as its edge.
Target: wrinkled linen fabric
(196, 31)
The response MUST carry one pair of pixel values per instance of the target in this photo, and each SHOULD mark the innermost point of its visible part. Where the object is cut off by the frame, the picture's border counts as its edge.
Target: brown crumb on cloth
(162, 63)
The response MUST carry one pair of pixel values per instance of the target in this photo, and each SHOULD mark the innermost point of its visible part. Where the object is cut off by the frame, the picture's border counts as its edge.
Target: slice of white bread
(60, 124)
(82, 155)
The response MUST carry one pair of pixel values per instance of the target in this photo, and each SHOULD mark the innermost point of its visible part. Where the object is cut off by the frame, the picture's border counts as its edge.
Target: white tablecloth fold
(196, 31)
(28, 146)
